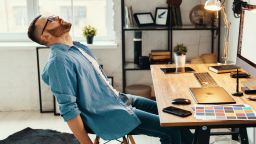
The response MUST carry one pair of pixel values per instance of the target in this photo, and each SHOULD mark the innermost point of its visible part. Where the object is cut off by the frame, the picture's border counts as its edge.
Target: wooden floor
(11, 122)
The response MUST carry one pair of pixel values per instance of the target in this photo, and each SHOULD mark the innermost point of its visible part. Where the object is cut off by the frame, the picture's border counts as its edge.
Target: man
(86, 99)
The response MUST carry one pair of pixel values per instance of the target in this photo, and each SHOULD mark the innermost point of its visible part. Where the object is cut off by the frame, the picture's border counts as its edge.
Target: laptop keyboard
(205, 79)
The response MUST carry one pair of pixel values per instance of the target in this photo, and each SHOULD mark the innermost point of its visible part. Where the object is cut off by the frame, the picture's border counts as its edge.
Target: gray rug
(39, 136)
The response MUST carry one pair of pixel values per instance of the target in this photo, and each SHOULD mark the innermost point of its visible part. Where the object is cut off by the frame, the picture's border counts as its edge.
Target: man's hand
(77, 127)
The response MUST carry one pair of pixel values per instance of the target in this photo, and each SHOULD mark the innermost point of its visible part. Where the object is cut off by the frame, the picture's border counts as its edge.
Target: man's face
(53, 25)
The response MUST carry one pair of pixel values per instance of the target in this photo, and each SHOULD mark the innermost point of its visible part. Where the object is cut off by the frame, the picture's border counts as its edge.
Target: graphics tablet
(177, 70)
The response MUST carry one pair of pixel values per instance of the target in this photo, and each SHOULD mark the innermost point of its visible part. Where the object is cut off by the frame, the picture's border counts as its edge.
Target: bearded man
(87, 101)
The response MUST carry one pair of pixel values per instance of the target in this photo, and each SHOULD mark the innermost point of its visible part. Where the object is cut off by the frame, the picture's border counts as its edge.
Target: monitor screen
(246, 53)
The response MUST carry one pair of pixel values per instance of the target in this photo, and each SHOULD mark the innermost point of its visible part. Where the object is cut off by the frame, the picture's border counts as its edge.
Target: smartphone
(177, 111)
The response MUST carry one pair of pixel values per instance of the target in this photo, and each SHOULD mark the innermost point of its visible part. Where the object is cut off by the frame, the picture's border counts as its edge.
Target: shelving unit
(130, 66)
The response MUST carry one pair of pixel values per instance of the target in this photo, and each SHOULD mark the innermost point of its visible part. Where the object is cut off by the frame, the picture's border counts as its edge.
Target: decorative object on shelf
(89, 32)
(144, 19)
(161, 16)
(129, 21)
(144, 62)
(160, 56)
(139, 90)
(180, 55)
(199, 16)
(216, 5)
(174, 2)
(137, 45)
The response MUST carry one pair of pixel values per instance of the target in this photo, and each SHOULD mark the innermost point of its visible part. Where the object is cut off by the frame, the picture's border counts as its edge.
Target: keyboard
(205, 79)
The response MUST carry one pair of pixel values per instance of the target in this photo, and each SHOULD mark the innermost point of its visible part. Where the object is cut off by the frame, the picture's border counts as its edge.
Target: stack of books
(159, 56)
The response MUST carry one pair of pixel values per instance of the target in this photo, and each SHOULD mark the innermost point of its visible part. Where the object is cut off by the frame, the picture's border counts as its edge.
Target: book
(223, 68)
(160, 57)
(160, 53)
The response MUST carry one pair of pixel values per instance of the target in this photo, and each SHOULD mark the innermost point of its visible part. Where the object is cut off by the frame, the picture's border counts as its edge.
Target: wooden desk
(170, 86)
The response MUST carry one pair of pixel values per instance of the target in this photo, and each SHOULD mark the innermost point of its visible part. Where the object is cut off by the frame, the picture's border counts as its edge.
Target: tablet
(177, 70)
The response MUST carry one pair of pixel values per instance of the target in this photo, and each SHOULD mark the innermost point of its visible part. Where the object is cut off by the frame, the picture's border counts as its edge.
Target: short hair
(33, 31)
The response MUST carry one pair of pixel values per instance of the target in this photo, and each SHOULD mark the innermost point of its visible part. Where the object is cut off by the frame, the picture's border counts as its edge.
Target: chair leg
(97, 140)
(130, 137)
(124, 141)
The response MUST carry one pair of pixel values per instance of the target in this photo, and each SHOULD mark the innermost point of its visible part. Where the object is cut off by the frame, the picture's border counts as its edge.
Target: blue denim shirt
(79, 89)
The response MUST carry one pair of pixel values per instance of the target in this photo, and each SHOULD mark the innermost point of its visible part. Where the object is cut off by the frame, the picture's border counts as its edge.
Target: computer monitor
(246, 52)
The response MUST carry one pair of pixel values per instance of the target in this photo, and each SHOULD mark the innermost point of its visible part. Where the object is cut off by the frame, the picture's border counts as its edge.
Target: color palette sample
(224, 112)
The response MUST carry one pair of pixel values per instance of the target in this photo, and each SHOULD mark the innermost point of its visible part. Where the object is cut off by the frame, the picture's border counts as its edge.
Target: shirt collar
(59, 46)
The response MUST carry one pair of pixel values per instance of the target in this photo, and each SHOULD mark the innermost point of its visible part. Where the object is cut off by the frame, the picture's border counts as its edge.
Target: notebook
(211, 95)
(224, 68)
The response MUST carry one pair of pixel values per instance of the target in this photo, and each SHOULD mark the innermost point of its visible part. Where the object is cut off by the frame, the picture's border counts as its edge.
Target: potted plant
(89, 32)
(180, 55)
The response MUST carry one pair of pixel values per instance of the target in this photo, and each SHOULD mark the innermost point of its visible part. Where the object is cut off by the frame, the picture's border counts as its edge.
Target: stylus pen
(237, 81)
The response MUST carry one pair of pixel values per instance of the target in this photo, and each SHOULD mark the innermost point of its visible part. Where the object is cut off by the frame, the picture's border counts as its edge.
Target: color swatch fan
(224, 112)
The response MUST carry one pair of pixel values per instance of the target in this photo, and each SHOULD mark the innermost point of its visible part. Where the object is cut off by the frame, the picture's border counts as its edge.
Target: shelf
(159, 28)
(132, 66)
(145, 28)
(192, 27)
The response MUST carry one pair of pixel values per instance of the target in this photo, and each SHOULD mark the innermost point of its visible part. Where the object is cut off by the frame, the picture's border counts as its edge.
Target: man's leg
(146, 110)
(143, 104)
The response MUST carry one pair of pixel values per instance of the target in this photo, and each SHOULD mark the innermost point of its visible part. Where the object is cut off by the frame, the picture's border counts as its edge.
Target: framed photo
(161, 16)
(144, 19)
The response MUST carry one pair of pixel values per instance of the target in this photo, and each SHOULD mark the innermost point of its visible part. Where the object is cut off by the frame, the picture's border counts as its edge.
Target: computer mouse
(181, 101)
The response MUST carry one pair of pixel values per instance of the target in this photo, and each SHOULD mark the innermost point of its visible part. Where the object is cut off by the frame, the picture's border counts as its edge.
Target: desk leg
(235, 136)
(202, 135)
(243, 136)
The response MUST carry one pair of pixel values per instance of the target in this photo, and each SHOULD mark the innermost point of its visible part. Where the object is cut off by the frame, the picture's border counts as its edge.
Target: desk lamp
(217, 5)
(239, 5)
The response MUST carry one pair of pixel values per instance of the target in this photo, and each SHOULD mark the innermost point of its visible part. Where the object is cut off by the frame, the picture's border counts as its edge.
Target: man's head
(46, 30)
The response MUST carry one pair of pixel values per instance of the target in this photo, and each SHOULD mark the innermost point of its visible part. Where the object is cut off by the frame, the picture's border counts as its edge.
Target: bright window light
(16, 15)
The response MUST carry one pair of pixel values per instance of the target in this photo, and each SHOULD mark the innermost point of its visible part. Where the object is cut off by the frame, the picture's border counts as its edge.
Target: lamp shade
(213, 5)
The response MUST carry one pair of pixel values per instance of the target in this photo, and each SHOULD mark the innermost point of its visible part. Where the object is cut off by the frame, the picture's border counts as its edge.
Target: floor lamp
(216, 5)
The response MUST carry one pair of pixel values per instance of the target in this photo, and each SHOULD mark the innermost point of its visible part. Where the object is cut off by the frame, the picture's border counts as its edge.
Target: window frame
(33, 11)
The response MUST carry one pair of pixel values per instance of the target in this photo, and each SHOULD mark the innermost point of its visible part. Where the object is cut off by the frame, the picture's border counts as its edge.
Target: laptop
(211, 95)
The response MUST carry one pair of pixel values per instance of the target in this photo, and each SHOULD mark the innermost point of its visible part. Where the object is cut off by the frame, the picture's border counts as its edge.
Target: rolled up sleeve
(61, 77)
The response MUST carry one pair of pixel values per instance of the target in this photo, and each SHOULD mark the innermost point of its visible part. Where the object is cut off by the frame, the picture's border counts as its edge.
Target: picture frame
(144, 19)
(161, 16)
(46, 98)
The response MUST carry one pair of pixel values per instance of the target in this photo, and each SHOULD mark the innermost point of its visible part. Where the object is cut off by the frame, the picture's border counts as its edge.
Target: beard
(63, 28)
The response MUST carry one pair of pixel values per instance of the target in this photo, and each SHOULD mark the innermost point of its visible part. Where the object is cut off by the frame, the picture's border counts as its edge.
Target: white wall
(18, 75)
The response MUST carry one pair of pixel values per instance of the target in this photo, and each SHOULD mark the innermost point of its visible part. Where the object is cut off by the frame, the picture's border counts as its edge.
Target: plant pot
(89, 39)
(180, 60)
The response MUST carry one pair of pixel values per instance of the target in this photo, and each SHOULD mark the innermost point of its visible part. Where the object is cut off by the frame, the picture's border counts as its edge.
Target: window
(17, 15)
(13, 15)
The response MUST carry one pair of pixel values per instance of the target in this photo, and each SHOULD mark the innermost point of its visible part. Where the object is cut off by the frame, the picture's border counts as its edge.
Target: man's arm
(77, 127)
